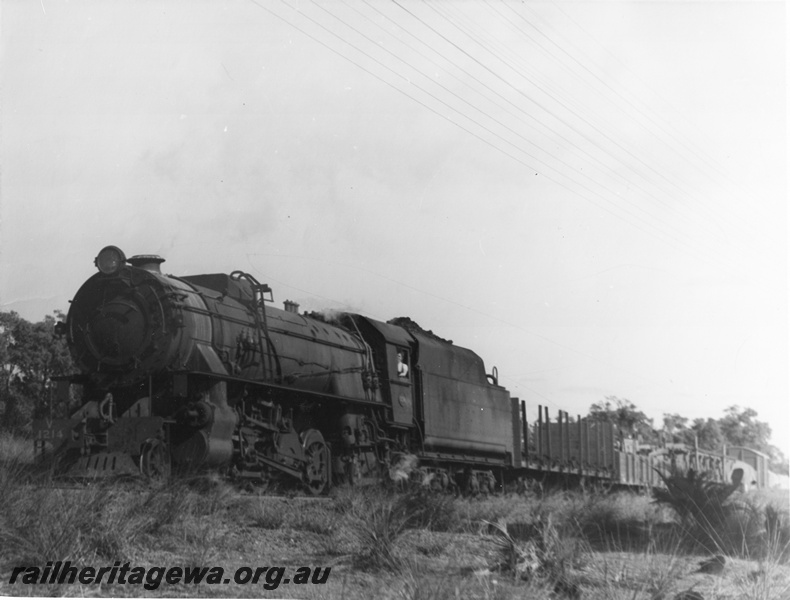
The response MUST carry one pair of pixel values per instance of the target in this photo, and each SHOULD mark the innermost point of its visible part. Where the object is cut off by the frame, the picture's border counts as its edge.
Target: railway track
(180, 487)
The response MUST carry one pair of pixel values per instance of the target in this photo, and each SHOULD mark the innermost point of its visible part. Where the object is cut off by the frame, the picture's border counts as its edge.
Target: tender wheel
(316, 469)
(472, 485)
(155, 460)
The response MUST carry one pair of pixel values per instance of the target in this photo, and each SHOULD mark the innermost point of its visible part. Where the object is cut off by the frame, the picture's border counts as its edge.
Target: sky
(590, 195)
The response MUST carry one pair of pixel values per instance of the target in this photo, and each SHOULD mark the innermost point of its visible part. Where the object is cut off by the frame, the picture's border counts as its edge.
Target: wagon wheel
(316, 454)
(155, 460)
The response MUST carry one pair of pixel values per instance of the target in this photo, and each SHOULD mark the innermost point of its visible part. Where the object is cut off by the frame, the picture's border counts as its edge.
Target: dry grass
(408, 546)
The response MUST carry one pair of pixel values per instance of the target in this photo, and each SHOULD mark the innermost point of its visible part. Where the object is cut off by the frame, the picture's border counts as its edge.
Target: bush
(376, 524)
(712, 520)
(43, 524)
(777, 529)
(266, 514)
(426, 509)
(377, 518)
(623, 520)
(544, 555)
(104, 519)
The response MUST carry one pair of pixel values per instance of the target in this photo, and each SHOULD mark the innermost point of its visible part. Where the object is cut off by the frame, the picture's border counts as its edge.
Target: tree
(674, 422)
(12, 405)
(777, 462)
(624, 413)
(740, 427)
(709, 435)
(676, 429)
(30, 356)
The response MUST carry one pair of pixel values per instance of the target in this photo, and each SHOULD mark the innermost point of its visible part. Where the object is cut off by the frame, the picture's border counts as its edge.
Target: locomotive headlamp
(110, 260)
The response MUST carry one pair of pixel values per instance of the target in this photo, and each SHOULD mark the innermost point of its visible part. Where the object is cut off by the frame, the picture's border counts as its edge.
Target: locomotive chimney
(291, 306)
(149, 262)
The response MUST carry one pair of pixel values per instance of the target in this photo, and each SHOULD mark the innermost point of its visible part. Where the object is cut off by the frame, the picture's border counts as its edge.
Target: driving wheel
(316, 468)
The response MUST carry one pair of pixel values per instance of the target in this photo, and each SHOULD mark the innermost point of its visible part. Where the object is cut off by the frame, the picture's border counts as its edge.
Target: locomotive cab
(393, 348)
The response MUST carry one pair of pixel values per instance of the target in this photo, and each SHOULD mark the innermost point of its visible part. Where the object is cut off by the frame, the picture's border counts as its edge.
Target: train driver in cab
(403, 368)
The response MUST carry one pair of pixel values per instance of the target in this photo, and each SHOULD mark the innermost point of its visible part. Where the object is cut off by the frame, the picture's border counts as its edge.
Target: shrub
(711, 519)
(623, 520)
(543, 553)
(696, 497)
(266, 514)
(425, 509)
(47, 523)
(376, 524)
(318, 520)
(15, 449)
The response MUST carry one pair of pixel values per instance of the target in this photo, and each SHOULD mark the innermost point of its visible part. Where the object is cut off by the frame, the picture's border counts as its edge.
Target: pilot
(403, 368)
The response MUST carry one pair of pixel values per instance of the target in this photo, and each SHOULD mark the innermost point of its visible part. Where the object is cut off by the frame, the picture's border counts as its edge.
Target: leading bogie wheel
(155, 460)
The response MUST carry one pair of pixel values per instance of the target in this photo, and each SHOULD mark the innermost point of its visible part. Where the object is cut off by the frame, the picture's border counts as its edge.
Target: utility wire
(700, 252)
(560, 102)
(574, 147)
(711, 257)
(612, 171)
(710, 213)
(495, 120)
(710, 222)
(685, 142)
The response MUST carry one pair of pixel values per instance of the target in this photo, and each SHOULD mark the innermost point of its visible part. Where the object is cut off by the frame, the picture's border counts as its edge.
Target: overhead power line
(602, 135)
(636, 221)
(677, 143)
(506, 104)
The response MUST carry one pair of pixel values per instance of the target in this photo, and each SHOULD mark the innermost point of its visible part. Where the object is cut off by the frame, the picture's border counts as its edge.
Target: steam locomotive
(195, 373)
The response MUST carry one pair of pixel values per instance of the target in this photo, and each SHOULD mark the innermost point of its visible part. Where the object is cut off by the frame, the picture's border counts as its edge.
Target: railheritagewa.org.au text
(63, 572)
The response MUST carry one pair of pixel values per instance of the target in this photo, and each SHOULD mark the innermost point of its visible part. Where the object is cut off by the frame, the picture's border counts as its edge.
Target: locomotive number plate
(50, 434)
